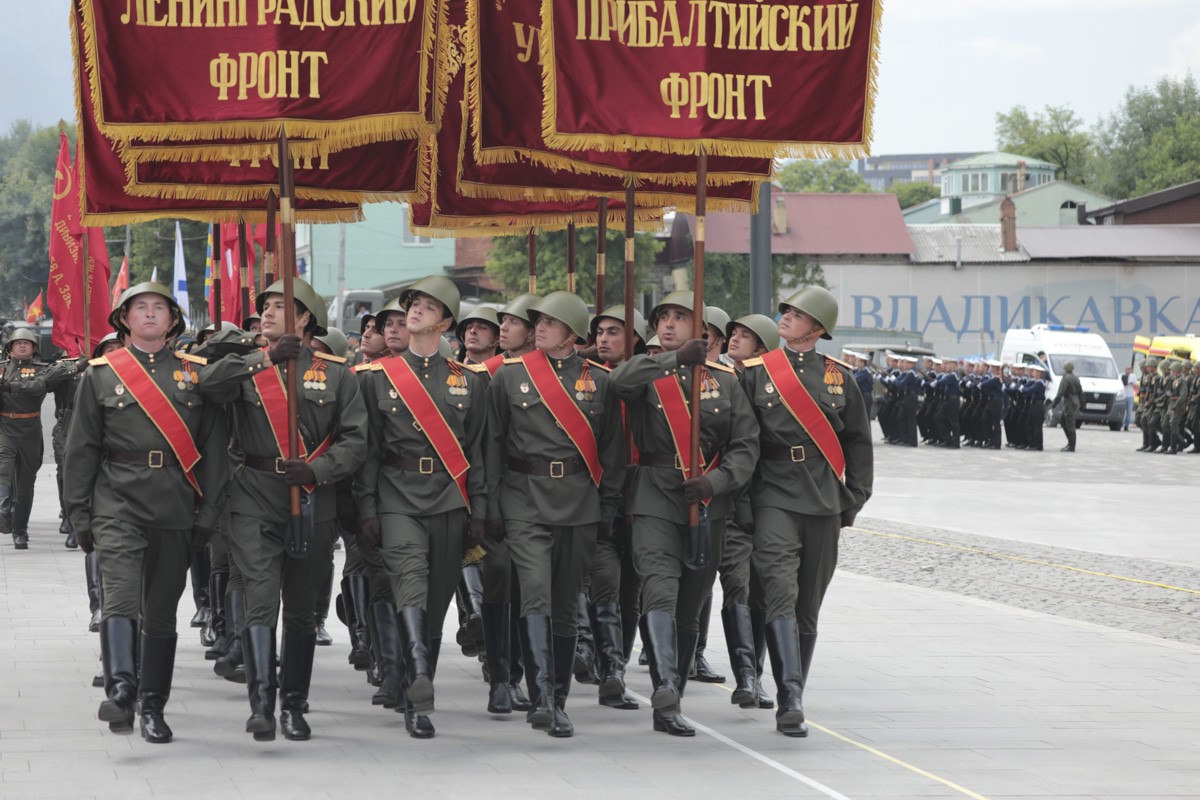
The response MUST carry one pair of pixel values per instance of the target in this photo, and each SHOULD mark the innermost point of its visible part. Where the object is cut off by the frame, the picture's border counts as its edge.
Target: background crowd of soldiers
(538, 546)
(1168, 411)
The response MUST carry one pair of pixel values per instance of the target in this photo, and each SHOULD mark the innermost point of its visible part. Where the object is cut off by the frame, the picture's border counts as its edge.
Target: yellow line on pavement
(1034, 561)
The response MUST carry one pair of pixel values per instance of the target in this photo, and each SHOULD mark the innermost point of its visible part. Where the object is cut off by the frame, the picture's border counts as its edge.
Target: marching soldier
(278, 554)
(814, 475)
(1070, 392)
(422, 486)
(991, 392)
(141, 429)
(1147, 387)
(947, 386)
(1035, 406)
(1176, 406)
(64, 406)
(656, 390)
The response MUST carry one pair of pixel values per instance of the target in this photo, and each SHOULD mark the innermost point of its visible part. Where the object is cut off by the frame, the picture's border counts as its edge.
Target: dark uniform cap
(761, 326)
(717, 318)
(682, 298)
(305, 295)
(818, 303)
(565, 307)
(145, 287)
(481, 314)
(335, 340)
(439, 287)
(1069, 366)
(519, 307)
(21, 335)
(618, 313)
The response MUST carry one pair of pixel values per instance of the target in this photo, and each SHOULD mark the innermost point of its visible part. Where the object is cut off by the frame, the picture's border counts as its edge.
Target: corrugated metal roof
(998, 159)
(1112, 241)
(938, 244)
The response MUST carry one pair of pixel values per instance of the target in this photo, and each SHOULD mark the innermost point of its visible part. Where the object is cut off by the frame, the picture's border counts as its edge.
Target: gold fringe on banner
(746, 148)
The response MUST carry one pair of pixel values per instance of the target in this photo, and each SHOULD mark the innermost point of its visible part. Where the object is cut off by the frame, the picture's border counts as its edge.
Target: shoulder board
(599, 365)
(327, 357)
(182, 356)
(843, 363)
(474, 367)
(722, 367)
(363, 367)
(753, 362)
(98, 362)
(513, 361)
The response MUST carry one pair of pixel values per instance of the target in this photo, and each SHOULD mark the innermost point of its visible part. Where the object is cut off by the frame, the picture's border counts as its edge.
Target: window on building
(983, 182)
(974, 181)
(947, 185)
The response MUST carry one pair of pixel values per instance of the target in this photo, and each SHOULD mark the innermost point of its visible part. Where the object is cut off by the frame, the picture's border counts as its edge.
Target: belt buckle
(799, 447)
(279, 470)
(561, 467)
(678, 462)
(154, 459)
(425, 465)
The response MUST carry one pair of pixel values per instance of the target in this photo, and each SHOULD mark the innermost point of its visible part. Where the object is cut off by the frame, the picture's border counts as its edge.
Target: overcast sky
(948, 65)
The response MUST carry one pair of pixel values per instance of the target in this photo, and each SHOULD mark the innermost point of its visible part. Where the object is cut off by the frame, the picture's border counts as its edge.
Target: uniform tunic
(21, 445)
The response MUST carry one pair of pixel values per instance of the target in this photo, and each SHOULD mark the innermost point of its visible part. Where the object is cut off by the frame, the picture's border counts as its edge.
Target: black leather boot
(413, 625)
(784, 645)
(757, 619)
(686, 650)
(739, 640)
(564, 657)
(387, 653)
(91, 568)
(71, 543)
(118, 652)
(217, 583)
(258, 643)
(231, 666)
(496, 648)
(470, 633)
(606, 626)
(584, 663)
(199, 573)
(808, 643)
(295, 675)
(324, 595)
(701, 670)
(6, 523)
(629, 632)
(356, 599)
(659, 645)
(537, 647)
(516, 664)
(158, 664)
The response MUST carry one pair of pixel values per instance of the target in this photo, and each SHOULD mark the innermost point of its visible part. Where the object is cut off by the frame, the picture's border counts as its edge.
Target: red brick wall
(1180, 212)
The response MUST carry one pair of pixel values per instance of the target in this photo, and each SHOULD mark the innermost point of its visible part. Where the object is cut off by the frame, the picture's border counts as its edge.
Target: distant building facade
(883, 171)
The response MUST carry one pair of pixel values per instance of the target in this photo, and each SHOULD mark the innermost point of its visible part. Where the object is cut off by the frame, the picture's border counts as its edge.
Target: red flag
(34, 312)
(231, 279)
(122, 281)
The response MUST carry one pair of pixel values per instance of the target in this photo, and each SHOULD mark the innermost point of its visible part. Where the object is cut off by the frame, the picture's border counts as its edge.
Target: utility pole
(761, 301)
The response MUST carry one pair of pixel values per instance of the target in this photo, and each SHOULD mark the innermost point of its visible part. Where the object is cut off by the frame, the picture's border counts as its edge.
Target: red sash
(805, 410)
(429, 417)
(269, 384)
(679, 422)
(493, 364)
(563, 409)
(159, 409)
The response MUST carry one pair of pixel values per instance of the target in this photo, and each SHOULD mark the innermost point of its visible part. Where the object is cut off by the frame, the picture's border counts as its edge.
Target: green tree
(727, 279)
(153, 247)
(508, 263)
(821, 176)
(913, 194)
(1056, 135)
(27, 160)
(1122, 138)
(1172, 157)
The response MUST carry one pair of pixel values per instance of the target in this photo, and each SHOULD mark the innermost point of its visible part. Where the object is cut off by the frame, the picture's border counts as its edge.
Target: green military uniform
(800, 505)
(1070, 392)
(1146, 389)
(540, 487)
(672, 594)
(330, 410)
(64, 405)
(1193, 407)
(1175, 413)
(117, 458)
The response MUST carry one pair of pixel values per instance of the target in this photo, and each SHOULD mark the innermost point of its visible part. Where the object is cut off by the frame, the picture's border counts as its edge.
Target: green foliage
(727, 279)
(913, 194)
(821, 176)
(27, 160)
(1056, 135)
(1172, 157)
(508, 263)
(154, 246)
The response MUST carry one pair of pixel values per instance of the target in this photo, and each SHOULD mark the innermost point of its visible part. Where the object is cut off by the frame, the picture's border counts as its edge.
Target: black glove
(200, 537)
(81, 365)
(86, 543)
(697, 489)
(692, 353)
(495, 530)
(371, 535)
(476, 530)
(286, 349)
(604, 530)
(298, 472)
(847, 517)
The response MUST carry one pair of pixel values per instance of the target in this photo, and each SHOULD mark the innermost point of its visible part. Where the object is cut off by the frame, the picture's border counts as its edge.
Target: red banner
(121, 283)
(196, 69)
(66, 284)
(744, 77)
(504, 78)
(228, 257)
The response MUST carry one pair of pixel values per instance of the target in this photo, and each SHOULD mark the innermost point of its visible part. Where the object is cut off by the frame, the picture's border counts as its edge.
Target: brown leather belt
(664, 460)
(426, 465)
(14, 415)
(780, 452)
(155, 459)
(552, 469)
(264, 464)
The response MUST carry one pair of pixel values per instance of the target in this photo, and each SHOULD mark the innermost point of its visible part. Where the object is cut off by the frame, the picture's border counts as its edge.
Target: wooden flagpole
(287, 255)
(571, 258)
(698, 324)
(531, 244)
(87, 301)
(243, 271)
(217, 266)
(601, 245)
(269, 258)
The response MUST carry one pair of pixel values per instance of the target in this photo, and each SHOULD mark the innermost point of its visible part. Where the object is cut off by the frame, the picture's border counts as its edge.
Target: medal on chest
(315, 377)
(585, 385)
(834, 379)
(28, 372)
(456, 381)
(185, 378)
(709, 388)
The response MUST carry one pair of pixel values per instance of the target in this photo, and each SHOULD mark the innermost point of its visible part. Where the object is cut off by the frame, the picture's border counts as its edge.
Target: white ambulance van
(1103, 395)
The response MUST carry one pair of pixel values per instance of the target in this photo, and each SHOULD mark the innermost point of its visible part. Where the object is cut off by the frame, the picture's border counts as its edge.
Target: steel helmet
(108, 337)
(305, 295)
(481, 314)
(380, 316)
(565, 307)
(247, 320)
(146, 287)
(439, 287)
(22, 335)
(718, 319)
(654, 342)
(335, 340)
(519, 307)
(618, 313)
(818, 303)
(683, 298)
(761, 326)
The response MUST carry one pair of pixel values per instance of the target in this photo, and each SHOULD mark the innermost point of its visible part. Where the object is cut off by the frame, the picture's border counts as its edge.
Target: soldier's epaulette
(473, 367)
(98, 362)
(722, 367)
(600, 365)
(329, 357)
(365, 367)
(753, 362)
(182, 356)
(513, 361)
(836, 361)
